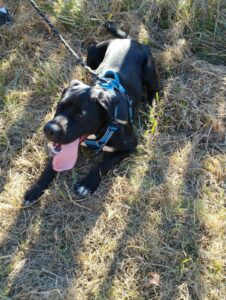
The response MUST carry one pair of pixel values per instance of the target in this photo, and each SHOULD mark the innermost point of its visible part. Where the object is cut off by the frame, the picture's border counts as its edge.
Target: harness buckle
(113, 127)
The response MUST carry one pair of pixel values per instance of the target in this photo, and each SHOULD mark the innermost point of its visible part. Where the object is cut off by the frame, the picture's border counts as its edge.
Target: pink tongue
(66, 158)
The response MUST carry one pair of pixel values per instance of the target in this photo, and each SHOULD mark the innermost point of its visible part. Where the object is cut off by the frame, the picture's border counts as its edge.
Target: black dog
(104, 110)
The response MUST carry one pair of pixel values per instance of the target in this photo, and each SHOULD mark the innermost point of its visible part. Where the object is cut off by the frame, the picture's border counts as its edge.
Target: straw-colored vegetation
(155, 229)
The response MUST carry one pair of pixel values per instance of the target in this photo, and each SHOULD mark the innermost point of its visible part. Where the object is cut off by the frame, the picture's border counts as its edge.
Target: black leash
(62, 40)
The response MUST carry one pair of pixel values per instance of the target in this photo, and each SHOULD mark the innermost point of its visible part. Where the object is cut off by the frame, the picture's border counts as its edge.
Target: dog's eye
(82, 114)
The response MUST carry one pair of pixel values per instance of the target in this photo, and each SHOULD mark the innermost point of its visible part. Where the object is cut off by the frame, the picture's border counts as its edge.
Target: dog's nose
(52, 130)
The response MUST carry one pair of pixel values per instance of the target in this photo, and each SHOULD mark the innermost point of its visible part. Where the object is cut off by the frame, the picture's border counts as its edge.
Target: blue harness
(111, 84)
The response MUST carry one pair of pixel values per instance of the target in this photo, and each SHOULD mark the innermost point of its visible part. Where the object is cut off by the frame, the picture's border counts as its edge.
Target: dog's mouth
(65, 155)
(54, 148)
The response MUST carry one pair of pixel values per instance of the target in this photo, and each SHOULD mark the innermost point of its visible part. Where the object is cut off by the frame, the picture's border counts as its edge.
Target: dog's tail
(115, 31)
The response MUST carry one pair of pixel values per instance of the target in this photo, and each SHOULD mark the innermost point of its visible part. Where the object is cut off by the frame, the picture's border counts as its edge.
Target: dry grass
(155, 228)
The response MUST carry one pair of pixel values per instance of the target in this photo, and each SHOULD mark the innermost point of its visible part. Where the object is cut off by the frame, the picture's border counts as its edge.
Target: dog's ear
(73, 85)
(108, 102)
(63, 92)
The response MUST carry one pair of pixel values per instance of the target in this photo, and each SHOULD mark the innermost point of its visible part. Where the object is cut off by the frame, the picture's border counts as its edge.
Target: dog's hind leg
(95, 54)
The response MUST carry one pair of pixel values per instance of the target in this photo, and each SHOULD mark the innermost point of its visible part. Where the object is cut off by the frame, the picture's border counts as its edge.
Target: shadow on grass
(171, 187)
(169, 248)
(40, 253)
(38, 243)
(48, 239)
(17, 136)
(33, 74)
(22, 236)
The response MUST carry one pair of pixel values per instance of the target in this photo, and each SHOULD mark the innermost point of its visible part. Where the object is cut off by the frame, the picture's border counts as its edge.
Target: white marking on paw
(26, 203)
(82, 191)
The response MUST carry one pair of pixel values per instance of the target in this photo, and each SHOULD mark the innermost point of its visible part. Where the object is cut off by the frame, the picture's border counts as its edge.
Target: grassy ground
(155, 228)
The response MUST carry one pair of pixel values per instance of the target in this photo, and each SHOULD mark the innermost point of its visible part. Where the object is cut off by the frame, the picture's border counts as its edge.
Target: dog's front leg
(37, 189)
(91, 182)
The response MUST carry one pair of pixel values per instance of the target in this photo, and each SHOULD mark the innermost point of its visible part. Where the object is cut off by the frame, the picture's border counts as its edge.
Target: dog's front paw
(32, 195)
(82, 190)
(88, 185)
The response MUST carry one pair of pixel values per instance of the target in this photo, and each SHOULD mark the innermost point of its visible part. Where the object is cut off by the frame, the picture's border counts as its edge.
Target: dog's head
(82, 110)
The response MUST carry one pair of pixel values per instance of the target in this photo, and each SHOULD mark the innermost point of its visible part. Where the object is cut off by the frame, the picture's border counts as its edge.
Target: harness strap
(98, 145)
(111, 84)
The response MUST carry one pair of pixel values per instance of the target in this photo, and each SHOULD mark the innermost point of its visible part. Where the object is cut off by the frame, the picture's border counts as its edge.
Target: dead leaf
(153, 280)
